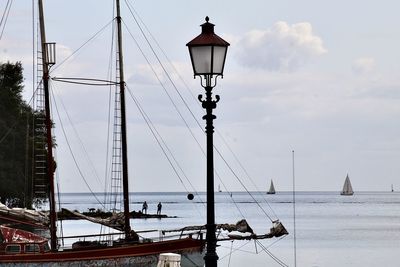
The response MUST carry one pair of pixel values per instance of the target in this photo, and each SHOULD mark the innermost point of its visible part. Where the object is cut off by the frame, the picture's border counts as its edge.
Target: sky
(319, 78)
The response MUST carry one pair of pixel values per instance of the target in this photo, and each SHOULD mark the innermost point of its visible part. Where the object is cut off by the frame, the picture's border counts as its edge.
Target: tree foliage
(16, 138)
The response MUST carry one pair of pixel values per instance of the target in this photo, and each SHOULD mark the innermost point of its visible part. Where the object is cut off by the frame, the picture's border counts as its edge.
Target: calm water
(332, 230)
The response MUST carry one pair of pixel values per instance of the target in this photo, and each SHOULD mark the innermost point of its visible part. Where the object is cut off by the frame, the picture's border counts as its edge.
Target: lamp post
(208, 53)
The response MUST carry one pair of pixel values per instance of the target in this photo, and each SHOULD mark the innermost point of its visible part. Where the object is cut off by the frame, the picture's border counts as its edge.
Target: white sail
(24, 215)
(271, 188)
(347, 188)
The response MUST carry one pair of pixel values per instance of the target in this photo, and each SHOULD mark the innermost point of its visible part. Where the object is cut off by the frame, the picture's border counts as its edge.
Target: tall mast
(125, 183)
(49, 140)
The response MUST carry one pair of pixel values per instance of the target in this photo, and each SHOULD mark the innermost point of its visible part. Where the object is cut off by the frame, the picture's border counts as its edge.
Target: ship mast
(47, 62)
(125, 184)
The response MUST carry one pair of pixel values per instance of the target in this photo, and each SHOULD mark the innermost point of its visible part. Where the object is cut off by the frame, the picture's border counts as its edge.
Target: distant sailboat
(219, 188)
(392, 188)
(271, 188)
(347, 188)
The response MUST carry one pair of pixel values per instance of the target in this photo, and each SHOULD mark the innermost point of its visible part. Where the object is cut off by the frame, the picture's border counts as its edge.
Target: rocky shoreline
(66, 215)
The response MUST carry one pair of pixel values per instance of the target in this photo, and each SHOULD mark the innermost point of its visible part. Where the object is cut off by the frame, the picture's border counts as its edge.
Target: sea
(325, 228)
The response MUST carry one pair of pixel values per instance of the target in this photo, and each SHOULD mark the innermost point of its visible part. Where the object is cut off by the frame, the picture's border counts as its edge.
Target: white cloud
(63, 52)
(281, 48)
(66, 66)
(363, 65)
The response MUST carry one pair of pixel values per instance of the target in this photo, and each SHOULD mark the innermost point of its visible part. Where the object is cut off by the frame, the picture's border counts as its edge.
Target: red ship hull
(145, 254)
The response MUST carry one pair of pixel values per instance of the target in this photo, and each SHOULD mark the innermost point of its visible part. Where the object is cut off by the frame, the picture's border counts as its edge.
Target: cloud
(143, 74)
(65, 66)
(63, 52)
(281, 48)
(363, 65)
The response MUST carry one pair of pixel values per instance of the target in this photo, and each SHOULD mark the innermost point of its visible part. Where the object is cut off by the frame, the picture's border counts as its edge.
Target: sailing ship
(23, 247)
(347, 188)
(271, 188)
(20, 247)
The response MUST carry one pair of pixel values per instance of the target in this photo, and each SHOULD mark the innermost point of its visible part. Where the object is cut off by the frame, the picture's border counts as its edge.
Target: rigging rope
(162, 144)
(85, 81)
(107, 171)
(59, 201)
(4, 17)
(236, 249)
(247, 174)
(180, 114)
(72, 154)
(33, 50)
(154, 131)
(8, 132)
(34, 83)
(170, 98)
(294, 213)
(192, 114)
(83, 45)
(144, 115)
(74, 80)
(80, 141)
(4, 13)
(108, 194)
(71, 80)
(165, 89)
(15, 123)
(107, 83)
(230, 254)
(245, 188)
(275, 258)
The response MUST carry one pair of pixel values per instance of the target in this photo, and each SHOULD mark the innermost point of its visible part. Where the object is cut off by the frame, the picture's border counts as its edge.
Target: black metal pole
(208, 104)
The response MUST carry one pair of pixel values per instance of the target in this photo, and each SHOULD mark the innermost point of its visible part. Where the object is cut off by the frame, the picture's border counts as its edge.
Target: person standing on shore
(144, 207)
(159, 206)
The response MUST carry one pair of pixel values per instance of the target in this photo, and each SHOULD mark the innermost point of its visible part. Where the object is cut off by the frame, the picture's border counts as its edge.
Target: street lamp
(208, 53)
